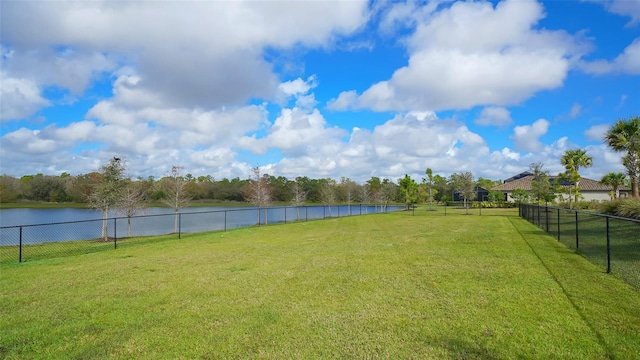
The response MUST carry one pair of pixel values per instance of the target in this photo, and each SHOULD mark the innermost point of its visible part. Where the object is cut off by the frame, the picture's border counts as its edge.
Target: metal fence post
(225, 220)
(115, 233)
(179, 226)
(546, 216)
(558, 224)
(285, 215)
(20, 246)
(577, 242)
(608, 248)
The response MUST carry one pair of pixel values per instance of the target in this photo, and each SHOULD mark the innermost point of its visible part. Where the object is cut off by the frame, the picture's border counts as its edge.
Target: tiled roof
(525, 184)
(519, 176)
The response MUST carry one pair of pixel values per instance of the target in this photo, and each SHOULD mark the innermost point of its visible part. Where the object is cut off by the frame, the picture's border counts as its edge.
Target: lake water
(35, 226)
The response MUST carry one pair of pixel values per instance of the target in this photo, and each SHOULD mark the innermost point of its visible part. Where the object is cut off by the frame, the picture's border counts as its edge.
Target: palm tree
(624, 136)
(615, 180)
(573, 160)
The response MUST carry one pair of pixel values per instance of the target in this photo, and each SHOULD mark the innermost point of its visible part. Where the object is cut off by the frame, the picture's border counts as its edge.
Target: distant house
(589, 189)
(482, 194)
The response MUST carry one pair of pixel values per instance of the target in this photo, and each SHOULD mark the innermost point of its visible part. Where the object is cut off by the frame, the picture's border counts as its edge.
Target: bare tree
(107, 192)
(349, 188)
(328, 193)
(176, 194)
(299, 196)
(259, 193)
(388, 192)
(365, 195)
(132, 202)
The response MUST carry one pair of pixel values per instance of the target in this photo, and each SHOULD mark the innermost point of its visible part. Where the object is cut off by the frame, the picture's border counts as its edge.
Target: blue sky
(316, 88)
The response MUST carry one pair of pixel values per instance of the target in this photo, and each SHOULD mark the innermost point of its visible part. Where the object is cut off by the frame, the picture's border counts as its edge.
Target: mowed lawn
(397, 286)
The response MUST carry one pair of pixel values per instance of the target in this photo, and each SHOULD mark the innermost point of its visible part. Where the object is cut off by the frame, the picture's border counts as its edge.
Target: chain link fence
(31, 242)
(611, 242)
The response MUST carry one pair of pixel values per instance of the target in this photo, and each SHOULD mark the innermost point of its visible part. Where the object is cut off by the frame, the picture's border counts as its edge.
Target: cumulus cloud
(407, 143)
(628, 62)
(20, 98)
(494, 116)
(298, 89)
(473, 53)
(624, 8)
(597, 132)
(29, 142)
(527, 137)
(217, 59)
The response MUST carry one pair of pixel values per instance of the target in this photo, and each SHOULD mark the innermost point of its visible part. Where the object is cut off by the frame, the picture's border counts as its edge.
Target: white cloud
(20, 98)
(298, 89)
(576, 110)
(597, 132)
(67, 68)
(494, 116)
(216, 59)
(628, 62)
(298, 86)
(629, 8)
(473, 54)
(527, 137)
(29, 142)
(345, 101)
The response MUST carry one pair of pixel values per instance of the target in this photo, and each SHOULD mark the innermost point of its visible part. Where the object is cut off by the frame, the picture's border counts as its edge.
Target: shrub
(629, 208)
(609, 207)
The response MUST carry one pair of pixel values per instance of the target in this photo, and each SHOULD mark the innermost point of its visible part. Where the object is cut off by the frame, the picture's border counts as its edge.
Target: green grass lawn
(398, 286)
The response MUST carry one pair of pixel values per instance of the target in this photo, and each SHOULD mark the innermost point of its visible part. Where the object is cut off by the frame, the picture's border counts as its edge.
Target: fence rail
(611, 242)
(29, 242)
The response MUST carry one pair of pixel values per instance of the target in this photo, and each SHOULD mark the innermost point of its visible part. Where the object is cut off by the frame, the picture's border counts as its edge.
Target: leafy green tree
(520, 196)
(9, 189)
(487, 184)
(81, 187)
(409, 190)
(573, 160)
(464, 184)
(496, 196)
(389, 192)
(107, 192)
(281, 187)
(624, 136)
(430, 182)
(615, 180)
(442, 188)
(541, 188)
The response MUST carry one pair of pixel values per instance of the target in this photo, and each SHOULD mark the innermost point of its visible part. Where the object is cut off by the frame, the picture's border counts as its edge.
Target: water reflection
(35, 226)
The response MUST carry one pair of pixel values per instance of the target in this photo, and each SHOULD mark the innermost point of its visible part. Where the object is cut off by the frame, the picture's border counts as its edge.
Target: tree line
(67, 188)
(80, 189)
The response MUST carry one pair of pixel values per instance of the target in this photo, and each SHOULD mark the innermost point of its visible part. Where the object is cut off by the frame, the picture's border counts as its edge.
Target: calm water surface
(13, 217)
(34, 226)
